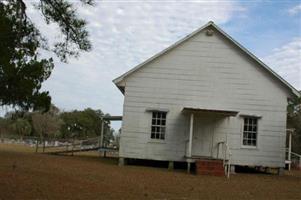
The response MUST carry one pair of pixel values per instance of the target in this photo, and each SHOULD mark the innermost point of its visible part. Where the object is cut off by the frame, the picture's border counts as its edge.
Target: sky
(125, 33)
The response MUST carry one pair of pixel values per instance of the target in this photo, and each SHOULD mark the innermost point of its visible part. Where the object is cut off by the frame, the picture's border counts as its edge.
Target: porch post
(190, 135)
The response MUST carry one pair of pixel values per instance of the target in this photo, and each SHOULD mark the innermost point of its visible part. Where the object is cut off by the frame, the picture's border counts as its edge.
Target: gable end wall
(209, 73)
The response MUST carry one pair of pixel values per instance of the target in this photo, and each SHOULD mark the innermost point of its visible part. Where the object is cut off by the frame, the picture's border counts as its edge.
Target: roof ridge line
(242, 48)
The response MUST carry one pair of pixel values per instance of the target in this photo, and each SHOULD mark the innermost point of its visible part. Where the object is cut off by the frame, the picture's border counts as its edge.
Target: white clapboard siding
(207, 72)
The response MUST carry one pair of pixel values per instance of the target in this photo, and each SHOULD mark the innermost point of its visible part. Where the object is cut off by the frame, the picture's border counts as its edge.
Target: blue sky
(125, 33)
(267, 25)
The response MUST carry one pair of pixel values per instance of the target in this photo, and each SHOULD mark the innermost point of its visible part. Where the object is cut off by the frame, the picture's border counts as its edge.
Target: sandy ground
(27, 175)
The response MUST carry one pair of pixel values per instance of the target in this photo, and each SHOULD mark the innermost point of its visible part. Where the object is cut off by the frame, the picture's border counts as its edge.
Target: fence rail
(53, 145)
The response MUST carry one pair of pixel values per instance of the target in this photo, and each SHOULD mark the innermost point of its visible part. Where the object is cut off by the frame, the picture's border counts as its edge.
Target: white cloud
(286, 61)
(124, 34)
(295, 10)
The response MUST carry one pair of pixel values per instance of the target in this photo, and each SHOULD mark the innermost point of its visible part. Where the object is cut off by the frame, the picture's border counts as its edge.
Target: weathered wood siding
(204, 72)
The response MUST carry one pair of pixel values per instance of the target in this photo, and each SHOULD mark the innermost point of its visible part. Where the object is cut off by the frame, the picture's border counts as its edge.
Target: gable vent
(209, 32)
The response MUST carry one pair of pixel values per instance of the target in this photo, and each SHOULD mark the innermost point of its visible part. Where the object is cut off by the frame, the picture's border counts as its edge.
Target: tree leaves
(22, 127)
(75, 36)
(82, 123)
(22, 71)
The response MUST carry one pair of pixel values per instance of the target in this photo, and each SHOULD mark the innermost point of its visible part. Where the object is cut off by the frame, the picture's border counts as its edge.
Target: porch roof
(202, 110)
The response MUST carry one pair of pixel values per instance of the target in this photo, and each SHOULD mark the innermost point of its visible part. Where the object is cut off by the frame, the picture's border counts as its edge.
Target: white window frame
(249, 129)
(158, 125)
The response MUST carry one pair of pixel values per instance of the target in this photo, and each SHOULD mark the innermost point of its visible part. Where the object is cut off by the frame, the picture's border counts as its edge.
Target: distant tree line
(55, 124)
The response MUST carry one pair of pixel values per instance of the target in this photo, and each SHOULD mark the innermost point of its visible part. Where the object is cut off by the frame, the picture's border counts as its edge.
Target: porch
(203, 143)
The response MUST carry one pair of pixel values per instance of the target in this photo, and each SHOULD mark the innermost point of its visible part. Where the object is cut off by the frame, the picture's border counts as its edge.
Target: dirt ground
(27, 175)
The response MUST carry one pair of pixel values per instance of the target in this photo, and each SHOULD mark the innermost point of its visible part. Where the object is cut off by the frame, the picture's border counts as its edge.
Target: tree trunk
(1, 136)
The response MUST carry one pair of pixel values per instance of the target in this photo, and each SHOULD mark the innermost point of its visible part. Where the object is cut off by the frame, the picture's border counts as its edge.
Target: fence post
(72, 146)
(101, 134)
(37, 145)
(43, 145)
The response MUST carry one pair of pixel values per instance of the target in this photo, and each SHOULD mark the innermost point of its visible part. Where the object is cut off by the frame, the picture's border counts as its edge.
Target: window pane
(157, 129)
(158, 125)
(153, 129)
(250, 132)
(153, 122)
(159, 115)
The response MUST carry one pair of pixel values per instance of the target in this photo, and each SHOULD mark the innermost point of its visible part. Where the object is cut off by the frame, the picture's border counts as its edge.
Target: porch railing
(226, 156)
(292, 158)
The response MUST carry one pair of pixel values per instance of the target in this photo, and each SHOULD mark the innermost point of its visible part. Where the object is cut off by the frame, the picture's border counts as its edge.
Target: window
(250, 132)
(158, 125)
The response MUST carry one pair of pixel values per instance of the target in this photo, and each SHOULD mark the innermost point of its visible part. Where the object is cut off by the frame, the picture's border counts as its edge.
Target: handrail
(226, 150)
(295, 154)
(290, 159)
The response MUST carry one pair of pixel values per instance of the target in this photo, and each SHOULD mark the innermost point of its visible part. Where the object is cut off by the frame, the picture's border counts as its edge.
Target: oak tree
(22, 68)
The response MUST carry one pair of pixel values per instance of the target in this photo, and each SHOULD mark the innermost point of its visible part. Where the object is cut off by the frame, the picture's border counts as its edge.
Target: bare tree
(46, 125)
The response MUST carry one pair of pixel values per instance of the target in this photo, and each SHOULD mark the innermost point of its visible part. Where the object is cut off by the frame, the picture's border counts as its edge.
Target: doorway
(202, 140)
